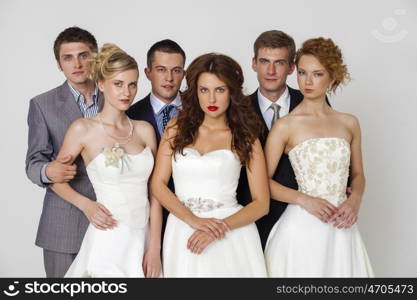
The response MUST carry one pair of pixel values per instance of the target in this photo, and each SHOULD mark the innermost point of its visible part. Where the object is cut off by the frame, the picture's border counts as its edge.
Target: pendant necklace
(116, 153)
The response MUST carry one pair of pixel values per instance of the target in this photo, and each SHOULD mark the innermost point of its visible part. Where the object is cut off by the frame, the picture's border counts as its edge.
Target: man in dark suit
(165, 71)
(273, 61)
(62, 226)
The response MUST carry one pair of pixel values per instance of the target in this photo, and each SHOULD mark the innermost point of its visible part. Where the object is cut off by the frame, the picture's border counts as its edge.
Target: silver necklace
(115, 137)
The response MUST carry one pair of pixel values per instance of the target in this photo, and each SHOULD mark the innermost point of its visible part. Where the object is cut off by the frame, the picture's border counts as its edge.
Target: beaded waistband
(199, 205)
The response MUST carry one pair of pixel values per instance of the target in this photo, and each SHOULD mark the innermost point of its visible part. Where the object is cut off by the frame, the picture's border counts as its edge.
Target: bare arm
(72, 146)
(258, 184)
(148, 135)
(151, 264)
(357, 173)
(161, 176)
(274, 148)
(347, 213)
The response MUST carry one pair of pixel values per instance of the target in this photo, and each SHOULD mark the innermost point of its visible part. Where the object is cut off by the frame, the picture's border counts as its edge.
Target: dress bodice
(121, 184)
(206, 182)
(321, 167)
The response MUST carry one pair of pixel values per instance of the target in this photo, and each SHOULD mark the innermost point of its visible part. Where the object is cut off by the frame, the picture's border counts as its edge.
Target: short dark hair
(75, 35)
(275, 39)
(167, 46)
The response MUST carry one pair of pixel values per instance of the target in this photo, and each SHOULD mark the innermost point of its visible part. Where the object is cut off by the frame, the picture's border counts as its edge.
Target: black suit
(142, 110)
(284, 173)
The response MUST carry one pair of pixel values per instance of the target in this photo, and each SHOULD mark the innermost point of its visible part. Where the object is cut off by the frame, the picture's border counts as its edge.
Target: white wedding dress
(300, 245)
(122, 187)
(206, 184)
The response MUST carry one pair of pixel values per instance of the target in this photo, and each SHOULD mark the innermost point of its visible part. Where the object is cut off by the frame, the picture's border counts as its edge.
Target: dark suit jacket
(284, 174)
(62, 225)
(142, 110)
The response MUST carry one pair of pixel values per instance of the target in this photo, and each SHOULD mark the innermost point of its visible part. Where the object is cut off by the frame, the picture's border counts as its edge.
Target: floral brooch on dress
(113, 156)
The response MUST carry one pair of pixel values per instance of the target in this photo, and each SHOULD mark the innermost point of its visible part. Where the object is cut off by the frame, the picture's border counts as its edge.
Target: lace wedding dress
(300, 245)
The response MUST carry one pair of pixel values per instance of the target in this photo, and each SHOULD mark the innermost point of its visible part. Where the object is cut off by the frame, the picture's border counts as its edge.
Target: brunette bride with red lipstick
(208, 234)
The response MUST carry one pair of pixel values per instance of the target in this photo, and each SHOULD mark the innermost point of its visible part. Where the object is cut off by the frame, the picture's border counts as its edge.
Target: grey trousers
(57, 263)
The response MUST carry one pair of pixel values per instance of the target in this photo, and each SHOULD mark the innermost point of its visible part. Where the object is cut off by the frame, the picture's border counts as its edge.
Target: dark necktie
(166, 115)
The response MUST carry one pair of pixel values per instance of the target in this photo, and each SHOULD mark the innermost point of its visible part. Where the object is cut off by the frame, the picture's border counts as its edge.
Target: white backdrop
(378, 40)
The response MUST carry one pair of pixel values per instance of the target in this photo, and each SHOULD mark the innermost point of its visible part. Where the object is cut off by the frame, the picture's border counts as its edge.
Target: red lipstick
(212, 108)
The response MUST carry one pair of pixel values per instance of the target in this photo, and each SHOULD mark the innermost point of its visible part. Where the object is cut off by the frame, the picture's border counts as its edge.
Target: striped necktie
(166, 115)
(275, 107)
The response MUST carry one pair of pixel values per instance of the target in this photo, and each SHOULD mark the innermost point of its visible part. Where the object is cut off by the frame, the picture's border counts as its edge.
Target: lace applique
(321, 167)
(201, 205)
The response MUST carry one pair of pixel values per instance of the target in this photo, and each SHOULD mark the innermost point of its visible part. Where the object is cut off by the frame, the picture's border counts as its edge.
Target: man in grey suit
(62, 226)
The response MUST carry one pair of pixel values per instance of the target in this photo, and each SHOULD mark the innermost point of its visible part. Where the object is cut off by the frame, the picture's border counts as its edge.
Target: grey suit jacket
(62, 225)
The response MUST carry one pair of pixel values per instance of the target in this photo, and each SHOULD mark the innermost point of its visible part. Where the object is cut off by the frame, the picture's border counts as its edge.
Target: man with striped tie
(165, 71)
(62, 226)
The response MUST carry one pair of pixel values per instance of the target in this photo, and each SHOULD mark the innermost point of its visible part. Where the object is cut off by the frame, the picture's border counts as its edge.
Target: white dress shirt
(157, 104)
(268, 112)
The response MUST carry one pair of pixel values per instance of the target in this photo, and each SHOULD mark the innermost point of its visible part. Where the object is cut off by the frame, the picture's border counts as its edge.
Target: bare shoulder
(283, 125)
(144, 129)
(142, 125)
(80, 126)
(349, 120)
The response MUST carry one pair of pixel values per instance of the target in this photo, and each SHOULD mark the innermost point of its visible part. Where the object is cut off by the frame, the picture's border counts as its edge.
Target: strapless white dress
(206, 184)
(300, 245)
(123, 189)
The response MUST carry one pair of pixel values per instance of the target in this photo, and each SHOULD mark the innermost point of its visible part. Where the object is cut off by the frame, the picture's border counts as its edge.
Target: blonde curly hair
(329, 55)
(109, 61)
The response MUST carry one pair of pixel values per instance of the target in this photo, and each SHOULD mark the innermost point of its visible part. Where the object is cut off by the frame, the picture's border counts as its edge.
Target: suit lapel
(100, 101)
(255, 104)
(68, 105)
(149, 116)
(295, 97)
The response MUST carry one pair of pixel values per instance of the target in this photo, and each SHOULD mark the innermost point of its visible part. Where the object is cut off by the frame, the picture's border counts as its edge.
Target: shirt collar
(78, 96)
(265, 103)
(158, 104)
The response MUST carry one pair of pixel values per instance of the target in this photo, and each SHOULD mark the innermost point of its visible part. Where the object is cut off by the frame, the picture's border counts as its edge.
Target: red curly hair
(329, 55)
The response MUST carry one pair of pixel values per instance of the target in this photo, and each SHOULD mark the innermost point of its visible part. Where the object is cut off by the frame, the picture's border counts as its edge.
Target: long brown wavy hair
(241, 118)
